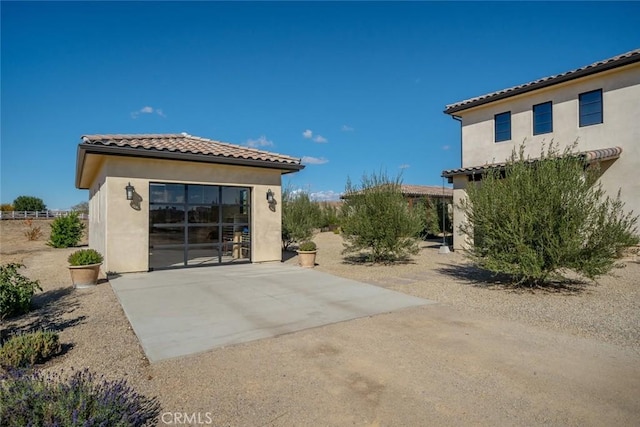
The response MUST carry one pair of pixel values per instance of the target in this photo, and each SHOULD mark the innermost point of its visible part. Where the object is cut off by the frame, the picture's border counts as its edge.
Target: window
(193, 224)
(590, 108)
(503, 126)
(542, 118)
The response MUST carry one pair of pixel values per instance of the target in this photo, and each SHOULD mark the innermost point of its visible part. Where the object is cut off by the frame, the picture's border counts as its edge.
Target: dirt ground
(485, 355)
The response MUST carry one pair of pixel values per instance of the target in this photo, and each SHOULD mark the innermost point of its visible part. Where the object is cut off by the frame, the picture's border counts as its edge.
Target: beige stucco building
(597, 105)
(176, 200)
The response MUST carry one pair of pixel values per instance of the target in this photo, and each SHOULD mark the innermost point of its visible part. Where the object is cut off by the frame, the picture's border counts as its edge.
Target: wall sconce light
(270, 196)
(129, 189)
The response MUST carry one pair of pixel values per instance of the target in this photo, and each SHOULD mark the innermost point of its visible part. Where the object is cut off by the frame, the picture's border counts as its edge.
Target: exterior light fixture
(270, 196)
(129, 189)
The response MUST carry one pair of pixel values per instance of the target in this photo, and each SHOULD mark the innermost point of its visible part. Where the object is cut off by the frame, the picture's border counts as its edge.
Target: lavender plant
(81, 399)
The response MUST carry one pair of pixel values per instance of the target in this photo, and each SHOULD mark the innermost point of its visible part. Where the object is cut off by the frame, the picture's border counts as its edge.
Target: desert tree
(82, 207)
(536, 219)
(376, 219)
(28, 203)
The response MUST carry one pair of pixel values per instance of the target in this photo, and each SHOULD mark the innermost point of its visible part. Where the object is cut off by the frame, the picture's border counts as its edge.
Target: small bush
(66, 231)
(29, 203)
(85, 257)
(6, 207)
(376, 217)
(300, 217)
(15, 291)
(25, 350)
(32, 232)
(307, 246)
(82, 399)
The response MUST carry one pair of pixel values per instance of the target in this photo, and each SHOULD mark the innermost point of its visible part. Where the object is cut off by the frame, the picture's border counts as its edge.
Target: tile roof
(426, 190)
(589, 157)
(421, 190)
(186, 144)
(606, 64)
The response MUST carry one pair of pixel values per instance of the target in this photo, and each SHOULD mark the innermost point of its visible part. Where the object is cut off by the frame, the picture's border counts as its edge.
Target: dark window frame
(501, 135)
(591, 118)
(190, 229)
(541, 123)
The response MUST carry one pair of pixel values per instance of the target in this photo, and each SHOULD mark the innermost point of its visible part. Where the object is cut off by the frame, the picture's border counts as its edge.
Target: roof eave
(84, 149)
(588, 156)
(546, 83)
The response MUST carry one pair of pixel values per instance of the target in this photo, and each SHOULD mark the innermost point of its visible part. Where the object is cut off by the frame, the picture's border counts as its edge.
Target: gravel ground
(608, 310)
(486, 355)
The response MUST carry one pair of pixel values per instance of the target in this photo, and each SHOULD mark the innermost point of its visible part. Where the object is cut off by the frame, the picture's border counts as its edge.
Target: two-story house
(597, 105)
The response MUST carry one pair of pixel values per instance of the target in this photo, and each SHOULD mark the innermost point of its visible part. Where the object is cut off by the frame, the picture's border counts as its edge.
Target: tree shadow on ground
(363, 259)
(469, 274)
(50, 311)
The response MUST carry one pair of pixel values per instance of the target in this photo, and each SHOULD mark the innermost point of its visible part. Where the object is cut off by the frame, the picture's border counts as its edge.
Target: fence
(39, 214)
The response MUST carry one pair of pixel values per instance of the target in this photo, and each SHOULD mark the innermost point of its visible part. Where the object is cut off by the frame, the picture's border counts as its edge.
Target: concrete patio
(180, 312)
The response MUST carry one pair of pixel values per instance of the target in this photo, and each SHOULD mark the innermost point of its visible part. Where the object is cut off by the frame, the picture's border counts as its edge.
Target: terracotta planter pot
(307, 259)
(84, 276)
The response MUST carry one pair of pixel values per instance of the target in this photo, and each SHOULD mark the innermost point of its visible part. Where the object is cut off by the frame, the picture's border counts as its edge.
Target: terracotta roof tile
(185, 143)
(589, 156)
(421, 190)
(426, 190)
(606, 64)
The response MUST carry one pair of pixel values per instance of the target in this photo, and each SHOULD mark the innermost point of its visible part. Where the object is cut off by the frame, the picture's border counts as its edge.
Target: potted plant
(307, 254)
(84, 266)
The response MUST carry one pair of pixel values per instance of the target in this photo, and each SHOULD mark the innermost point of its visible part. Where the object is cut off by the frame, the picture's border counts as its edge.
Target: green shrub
(85, 257)
(539, 218)
(28, 203)
(6, 207)
(21, 351)
(435, 222)
(81, 399)
(16, 291)
(328, 216)
(307, 246)
(376, 217)
(300, 217)
(66, 231)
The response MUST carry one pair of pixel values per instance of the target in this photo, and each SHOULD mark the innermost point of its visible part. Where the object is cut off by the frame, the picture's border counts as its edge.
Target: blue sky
(352, 88)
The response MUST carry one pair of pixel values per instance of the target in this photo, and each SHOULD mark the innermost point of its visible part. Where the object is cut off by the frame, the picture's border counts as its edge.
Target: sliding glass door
(191, 225)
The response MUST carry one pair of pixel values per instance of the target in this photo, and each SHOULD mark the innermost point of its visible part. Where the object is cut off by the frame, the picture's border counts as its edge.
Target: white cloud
(446, 147)
(404, 166)
(260, 142)
(324, 196)
(147, 110)
(314, 160)
(320, 139)
(308, 134)
(346, 128)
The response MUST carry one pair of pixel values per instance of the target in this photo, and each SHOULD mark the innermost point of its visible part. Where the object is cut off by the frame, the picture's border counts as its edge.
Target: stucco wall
(97, 213)
(459, 185)
(127, 227)
(620, 127)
